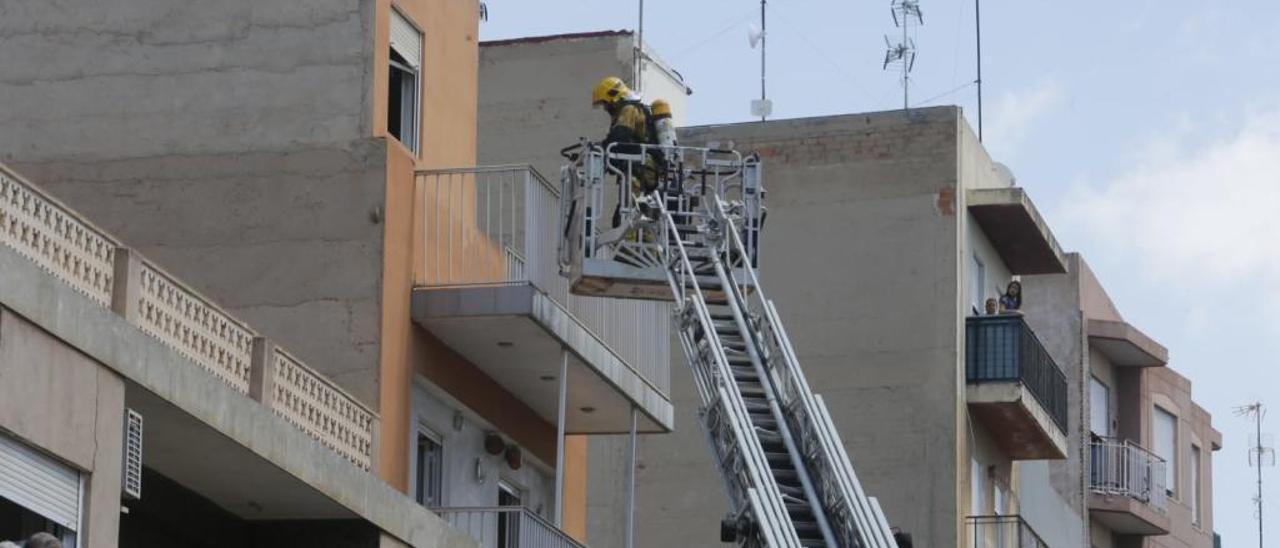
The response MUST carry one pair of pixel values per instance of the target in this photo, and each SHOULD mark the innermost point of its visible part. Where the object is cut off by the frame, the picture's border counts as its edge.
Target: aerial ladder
(686, 229)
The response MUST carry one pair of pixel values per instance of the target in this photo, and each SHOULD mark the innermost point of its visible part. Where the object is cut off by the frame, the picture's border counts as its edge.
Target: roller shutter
(39, 483)
(406, 40)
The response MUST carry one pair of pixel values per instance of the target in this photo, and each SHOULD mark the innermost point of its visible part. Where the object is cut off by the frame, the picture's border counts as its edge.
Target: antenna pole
(763, 37)
(977, 22)
(639, 53)
(1258, 452)
(903, 52)
(1258, 432)
(906, 67)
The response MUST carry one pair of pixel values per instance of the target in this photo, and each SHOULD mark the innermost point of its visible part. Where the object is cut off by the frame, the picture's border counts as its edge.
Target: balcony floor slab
(1022, 427)
(1126, 515)
(514, 333)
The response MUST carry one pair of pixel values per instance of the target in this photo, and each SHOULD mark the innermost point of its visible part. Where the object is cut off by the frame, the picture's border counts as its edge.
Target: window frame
(414, 134)
(422, 474)
(1195, 491)
(1171, 461)
(978, 299)
(1106, 406)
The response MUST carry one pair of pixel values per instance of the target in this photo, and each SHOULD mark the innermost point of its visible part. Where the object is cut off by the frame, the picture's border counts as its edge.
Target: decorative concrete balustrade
(56, 238)
(70, 248)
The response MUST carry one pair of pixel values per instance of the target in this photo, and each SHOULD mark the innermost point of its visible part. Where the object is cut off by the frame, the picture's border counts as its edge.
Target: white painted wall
(996, 275)
(464, 448)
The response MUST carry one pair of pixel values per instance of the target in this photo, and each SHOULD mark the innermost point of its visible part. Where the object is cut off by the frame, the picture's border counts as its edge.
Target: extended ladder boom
(687, 230)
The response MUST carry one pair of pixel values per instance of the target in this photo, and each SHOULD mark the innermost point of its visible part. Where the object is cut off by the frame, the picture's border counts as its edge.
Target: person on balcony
(631, 124)
(43, 540)
(1011, 301)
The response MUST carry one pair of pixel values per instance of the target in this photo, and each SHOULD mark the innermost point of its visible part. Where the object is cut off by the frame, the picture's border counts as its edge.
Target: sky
(1147, 133)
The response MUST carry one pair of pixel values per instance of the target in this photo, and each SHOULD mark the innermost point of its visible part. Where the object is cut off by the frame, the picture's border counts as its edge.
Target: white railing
(56, 238)
(507, 527)
(70, 248)
(498, 225)
(1120, 467)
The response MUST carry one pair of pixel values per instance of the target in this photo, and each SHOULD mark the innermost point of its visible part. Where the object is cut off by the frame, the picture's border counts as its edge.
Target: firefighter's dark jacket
(630, 124)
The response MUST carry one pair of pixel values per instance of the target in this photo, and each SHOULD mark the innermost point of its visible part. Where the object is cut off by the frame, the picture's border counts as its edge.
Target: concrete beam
(1016, 229)
(1124, 345)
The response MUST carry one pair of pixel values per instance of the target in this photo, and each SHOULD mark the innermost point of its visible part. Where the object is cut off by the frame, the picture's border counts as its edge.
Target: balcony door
(1099, 408)
(509, 521)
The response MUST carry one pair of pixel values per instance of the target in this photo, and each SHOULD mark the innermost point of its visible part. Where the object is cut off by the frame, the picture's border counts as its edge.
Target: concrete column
(126, 284)
(631, 484)
(262, 371)
(564, 386)
(375, 440)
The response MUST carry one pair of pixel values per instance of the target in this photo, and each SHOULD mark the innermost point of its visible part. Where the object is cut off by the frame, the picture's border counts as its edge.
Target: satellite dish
(754, 36)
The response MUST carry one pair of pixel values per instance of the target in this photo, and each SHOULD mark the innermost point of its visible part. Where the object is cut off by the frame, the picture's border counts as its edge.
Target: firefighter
(630, 124)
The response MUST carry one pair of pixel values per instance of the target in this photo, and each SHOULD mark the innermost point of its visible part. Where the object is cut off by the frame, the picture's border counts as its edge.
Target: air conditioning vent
(131, 478)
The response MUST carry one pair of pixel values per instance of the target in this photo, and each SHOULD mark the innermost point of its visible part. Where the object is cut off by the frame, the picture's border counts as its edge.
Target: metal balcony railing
(1121, 467)
(507, 527)
(498, 225)
(1002, 349)
(1001, 532)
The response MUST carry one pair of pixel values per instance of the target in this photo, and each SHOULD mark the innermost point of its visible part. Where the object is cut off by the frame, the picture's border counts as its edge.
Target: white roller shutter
(39, 483)
(406, 40)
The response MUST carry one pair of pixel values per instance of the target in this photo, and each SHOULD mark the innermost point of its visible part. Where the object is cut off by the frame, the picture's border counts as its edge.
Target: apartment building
(1146, 473)
(304, 176)
(887, 233)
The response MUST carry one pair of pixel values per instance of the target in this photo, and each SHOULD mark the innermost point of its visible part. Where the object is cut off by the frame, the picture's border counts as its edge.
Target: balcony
(1015, 388)
(1001, 532)
(488, 286)
(507, 527)
(1127, 488)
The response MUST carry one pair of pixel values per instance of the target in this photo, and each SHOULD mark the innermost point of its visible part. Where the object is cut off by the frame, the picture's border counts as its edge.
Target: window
(403, 101)
(977, 488)
(1099, 408)
(430, 467)
(1165, 434)
(1194, 478)
(979, 281)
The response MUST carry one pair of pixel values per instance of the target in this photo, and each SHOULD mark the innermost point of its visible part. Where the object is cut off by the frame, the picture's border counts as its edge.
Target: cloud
(1200, 214)
(1015, 113)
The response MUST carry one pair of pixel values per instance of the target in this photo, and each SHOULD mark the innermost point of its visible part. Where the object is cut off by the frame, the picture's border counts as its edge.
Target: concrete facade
(535, 94)
(77, 417)
(195, 132)
(887, 188)
(1088, 336)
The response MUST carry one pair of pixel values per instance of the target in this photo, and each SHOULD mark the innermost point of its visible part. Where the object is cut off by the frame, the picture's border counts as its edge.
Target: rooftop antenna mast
(1259, 454)
(906, 15)
(761, 107)
(977, 26)
(638, 61)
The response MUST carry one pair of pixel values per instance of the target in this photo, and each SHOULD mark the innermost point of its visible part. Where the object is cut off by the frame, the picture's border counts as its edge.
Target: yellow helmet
(608, 91)
(660, 109)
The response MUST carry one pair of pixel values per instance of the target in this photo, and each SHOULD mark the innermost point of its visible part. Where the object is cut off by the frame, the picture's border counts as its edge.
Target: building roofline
(555, 37)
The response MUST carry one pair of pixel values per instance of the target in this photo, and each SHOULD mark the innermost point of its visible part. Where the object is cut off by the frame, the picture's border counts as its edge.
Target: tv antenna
(906, 15)
(1259, 455)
